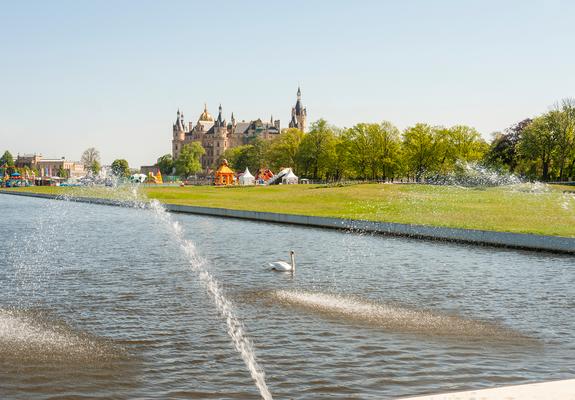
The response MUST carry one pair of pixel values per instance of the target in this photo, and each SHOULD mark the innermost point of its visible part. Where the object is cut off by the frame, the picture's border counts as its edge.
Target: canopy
(224, 174)
(247, 178)
(15, 174)
(290, 178)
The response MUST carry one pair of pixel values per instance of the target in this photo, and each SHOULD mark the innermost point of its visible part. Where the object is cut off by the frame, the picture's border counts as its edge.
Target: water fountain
(236, 331)
(366, 316)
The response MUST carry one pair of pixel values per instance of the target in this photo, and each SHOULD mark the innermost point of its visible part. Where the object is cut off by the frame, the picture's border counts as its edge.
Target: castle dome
(206, 116)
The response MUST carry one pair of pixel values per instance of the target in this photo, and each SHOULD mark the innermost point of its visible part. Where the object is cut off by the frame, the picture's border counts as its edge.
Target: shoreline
(521, 241)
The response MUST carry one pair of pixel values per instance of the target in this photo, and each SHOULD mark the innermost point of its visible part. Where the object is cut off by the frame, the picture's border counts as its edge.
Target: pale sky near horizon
(112, 74)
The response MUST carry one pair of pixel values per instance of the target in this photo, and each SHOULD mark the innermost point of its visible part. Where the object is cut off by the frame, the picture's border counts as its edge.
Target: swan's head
(291, 252)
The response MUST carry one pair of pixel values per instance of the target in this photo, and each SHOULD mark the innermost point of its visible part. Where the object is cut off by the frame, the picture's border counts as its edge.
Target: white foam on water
(391, 317)
(26, 335)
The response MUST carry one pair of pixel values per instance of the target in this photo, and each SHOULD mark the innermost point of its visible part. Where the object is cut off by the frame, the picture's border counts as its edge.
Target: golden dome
(206, 116)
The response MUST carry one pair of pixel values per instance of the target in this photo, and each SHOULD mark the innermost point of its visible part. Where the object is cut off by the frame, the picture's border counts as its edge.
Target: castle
(216, 136)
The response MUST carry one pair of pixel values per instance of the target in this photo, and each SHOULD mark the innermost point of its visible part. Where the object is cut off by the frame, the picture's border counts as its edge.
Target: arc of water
(235, 328)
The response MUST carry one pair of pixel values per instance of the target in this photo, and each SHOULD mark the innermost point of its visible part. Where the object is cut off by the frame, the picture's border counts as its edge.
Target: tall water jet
(235, 328)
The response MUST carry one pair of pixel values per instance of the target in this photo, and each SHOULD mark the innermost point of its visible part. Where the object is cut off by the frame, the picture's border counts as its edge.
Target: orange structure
(264, 175)
(224, 174)
(155, 178)
(159, 179)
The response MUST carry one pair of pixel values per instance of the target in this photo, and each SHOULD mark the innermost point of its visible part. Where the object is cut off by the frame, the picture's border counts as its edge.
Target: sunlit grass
(537, 209)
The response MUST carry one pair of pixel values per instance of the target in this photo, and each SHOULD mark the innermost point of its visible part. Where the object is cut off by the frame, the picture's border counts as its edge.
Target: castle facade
(217, 135)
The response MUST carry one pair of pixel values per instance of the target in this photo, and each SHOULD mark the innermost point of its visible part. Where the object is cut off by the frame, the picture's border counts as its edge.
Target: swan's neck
(292, 261)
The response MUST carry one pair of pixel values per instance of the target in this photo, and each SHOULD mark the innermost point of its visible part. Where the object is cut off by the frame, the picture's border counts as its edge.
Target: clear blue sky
(111, 74)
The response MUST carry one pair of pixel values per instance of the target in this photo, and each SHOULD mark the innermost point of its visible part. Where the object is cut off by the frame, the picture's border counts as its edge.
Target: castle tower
(220, 122)
(179, 135)
(298, 114)
(220, 140)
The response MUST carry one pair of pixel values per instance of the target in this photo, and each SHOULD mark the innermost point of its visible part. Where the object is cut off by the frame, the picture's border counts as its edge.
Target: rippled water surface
(102, 302)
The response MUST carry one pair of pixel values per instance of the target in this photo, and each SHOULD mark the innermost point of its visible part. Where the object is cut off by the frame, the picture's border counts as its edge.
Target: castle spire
(220, 120)
(299, 113)
(179, 125)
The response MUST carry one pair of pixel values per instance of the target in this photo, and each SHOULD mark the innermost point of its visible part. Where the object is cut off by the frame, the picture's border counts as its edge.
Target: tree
(562, 121)
(503, 149)
(421, 145)
(95, 167)
(360, 149)
(253, 156)
(188, 162)
(315, 150)
(89, 156)
(459, 143)
(540, 142)
(283, 149)
(7, 159)
(120, 168)
(339, 167)
(63, 173)
(237, 157)
(166, 164)
(386, 143)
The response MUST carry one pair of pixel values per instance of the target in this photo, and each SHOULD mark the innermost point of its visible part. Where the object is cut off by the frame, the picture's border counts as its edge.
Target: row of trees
(539, 148)
(364, 151)
(542, 148)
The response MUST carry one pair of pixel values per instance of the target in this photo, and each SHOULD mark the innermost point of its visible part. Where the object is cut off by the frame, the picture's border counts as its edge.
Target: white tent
(246, 178)
(290, 178)
(138, 178)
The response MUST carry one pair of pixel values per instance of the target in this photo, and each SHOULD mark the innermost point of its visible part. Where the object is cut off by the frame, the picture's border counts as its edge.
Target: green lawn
(538, 209)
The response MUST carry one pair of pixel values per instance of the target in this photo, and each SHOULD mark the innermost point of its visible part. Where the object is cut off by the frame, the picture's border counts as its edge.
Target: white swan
(283, 266)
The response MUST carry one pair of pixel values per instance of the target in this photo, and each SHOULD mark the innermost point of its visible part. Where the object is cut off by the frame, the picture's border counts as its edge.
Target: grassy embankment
(548, 210)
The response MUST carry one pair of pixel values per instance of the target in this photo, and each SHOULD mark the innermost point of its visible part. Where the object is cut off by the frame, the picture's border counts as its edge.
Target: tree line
(539, 148)
(542, 148)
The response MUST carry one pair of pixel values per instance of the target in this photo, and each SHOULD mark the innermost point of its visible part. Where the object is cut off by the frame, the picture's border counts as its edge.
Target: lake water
(102, 302)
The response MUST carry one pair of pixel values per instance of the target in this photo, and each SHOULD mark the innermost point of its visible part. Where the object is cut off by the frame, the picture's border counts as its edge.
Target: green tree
(63, 173)
(503, 151)
(188, 162)
(360, 148)
(339, 166)
(253, 156)
(562, 122)
(386, 140)
(421, 146)
(459, 143)
(540, 142)
(95, 167)
(316, 150)
(166, 164)
(283, 149)
(120, 168)
(7, 159)
(236, 156)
